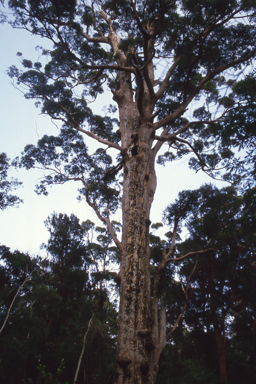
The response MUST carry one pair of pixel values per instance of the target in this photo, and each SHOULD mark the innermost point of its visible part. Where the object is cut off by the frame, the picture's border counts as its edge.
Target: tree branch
(99, 139)
(102, 39)
(83, 348)
(115, 41)
(182, 108)
(173, 136)
(140, 91)
(105, 220)
(78, 128)
(105, 66)
(13, 300)
(164, 83)
(160, 142)
(178, 320)
(186, 302)
(191, 254)
(140, 26)
(186, 126)
(148, 62)
(193, 150)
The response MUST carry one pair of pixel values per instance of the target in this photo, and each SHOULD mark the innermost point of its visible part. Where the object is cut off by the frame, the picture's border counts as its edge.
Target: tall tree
(216, 313)
(52, 310)
(156, 58)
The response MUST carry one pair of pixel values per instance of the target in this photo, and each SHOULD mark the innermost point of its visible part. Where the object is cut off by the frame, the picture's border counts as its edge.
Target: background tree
(216, 318)
(206, 48)
(6, 186)
(43, 337)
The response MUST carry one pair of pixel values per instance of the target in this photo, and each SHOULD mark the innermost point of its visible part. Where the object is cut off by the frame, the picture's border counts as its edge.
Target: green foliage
(223, 284)
(6, 186)
(195, 372)
(209, 38)
(68, 155)
(44, 333)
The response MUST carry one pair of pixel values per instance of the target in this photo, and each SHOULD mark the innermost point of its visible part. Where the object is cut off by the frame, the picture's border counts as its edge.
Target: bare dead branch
(83, 348)
(27, 278)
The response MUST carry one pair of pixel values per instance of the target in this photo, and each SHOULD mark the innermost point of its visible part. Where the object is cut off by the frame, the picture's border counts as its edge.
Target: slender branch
(193, 149)
(105, 66)
(191, 254)
(182, 108)
(178, 320)
(102, 39)
(78, 128)
(165, 257)
(112, 171)
(186, 126)
(100, 139)
(76, 125)
(202, 36)
(112, 232)
(115, 41)
(173, 136)
(13, 300)
(159, 143)
(174, 235)
(61, 23)
(83, 348)
(176, 223)
(94, 21)
(164, 84)
(186, 302)
(140, 26)
(175, 115)
(148, 62)
(105, 220)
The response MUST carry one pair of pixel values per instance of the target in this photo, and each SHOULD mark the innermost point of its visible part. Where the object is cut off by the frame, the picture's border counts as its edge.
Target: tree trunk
(219, 334)
(221, 352)
(137, 352)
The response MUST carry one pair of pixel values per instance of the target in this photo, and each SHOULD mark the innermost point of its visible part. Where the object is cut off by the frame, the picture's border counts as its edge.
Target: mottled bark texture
(137, 359)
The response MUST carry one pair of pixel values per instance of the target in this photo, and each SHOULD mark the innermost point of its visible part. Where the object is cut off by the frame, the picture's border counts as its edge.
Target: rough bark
(138, 348)
(134, 342)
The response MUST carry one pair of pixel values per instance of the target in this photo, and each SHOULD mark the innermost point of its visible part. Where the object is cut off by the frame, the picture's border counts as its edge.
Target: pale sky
(20, 124)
